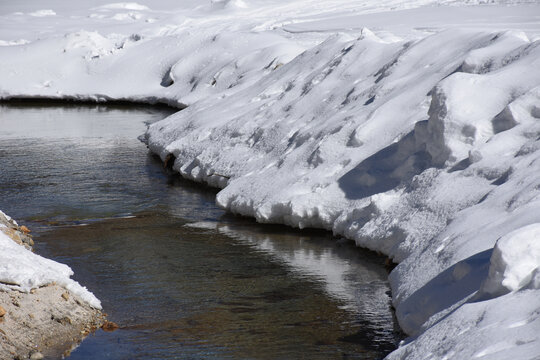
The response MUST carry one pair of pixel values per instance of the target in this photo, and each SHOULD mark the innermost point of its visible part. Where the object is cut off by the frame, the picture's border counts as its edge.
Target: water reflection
(352, 276)
(182, 278)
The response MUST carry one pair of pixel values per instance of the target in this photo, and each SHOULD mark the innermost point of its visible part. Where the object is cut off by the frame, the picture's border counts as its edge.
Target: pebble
(24, 229)
(36, 356)
(2, 311)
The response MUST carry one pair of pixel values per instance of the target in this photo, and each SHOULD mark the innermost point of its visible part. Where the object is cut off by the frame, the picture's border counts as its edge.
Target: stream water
(182, 278)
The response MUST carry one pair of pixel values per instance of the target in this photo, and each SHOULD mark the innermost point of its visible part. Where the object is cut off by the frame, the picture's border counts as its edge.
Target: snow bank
(434, 190)
(419, 140)
(21, 269)
(505, 329)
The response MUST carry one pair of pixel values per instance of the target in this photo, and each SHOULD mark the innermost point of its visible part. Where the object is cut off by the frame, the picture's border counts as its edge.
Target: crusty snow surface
(411, 127)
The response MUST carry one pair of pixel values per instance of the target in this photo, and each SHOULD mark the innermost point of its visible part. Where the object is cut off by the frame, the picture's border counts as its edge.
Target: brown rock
(25, 230)
(65, 296)
(2, 311)
(109, 326)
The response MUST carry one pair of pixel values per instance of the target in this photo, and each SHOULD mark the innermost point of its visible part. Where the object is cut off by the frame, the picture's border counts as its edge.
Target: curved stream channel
(182, 278)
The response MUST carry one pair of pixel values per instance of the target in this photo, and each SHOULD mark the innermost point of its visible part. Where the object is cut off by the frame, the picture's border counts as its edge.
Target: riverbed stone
(36, 356)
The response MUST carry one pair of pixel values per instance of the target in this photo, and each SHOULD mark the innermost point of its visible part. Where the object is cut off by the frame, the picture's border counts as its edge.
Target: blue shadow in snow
(386, 169)
(450, 287)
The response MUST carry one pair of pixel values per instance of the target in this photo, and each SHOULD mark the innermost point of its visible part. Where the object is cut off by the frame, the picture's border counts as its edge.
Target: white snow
(411, 127)
(13, 42)
(42, 13)
(123, 5)
(514, 262)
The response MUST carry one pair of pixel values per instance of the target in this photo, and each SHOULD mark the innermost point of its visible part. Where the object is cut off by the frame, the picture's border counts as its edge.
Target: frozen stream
(182, 278)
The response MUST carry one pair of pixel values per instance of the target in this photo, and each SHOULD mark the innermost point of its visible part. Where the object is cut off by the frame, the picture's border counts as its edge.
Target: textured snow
(123, 5)
(514, 262)
(411, 127)
(42, 13)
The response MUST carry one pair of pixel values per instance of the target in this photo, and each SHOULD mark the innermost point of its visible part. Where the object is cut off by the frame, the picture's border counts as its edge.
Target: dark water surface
(183, 279)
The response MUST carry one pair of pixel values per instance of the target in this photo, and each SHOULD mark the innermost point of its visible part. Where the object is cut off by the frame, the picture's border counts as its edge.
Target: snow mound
(457, 123)
(493, 56)
(90, 43)
(123, 6)
(13, 42)
(42, 13)
(223, 4)
(127, 16)
(515, 262)
(23, 270)
(502, 328)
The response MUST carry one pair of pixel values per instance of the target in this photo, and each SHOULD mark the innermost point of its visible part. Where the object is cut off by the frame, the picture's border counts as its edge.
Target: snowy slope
(411, 127)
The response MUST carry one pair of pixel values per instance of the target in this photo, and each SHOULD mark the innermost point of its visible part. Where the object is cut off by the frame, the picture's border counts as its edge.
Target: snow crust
(412, 128)
(22, 270)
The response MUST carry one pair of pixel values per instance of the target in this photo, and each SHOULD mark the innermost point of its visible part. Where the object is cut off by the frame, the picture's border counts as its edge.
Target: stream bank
(48, 321)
